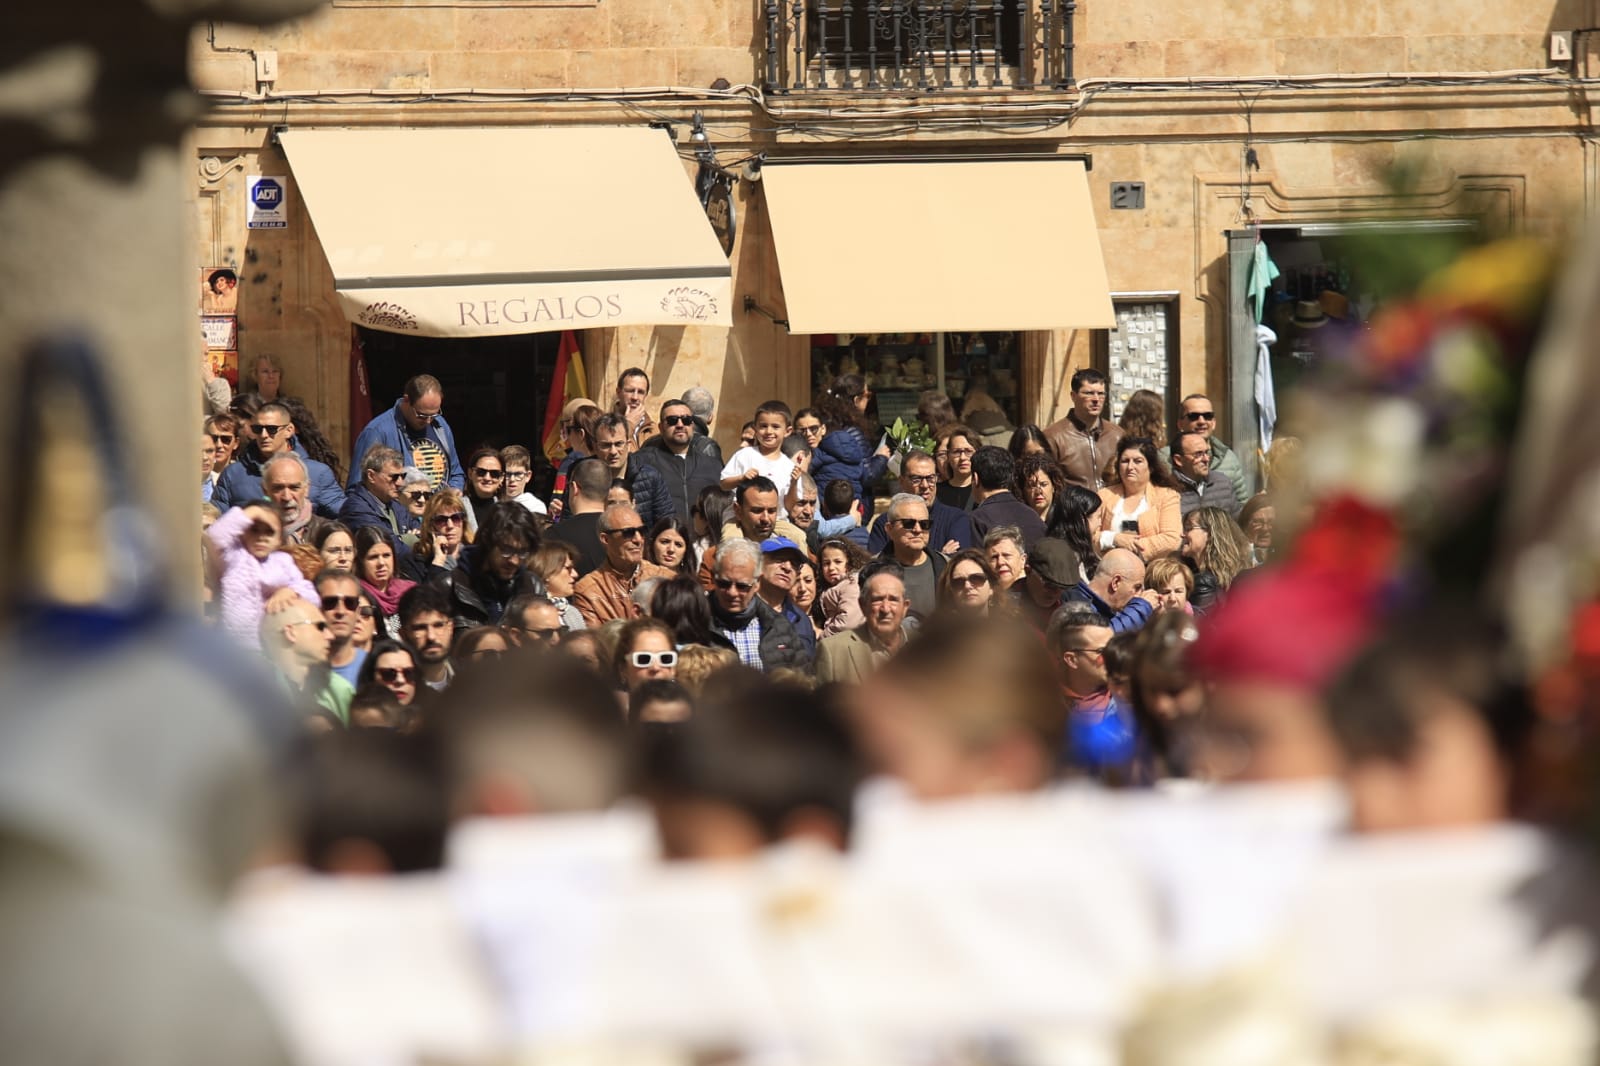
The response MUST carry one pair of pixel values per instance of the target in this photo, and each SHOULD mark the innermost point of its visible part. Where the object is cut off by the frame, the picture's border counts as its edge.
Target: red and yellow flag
(566, 384)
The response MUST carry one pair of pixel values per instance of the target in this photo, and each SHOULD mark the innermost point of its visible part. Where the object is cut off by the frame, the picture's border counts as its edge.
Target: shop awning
(893, 247)
(481, 232)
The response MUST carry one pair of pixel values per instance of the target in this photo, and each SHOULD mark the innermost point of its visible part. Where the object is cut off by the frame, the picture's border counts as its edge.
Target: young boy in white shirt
(766, 458)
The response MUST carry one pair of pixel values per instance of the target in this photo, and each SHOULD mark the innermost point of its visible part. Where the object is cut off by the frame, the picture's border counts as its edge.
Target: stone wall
(1325, 143)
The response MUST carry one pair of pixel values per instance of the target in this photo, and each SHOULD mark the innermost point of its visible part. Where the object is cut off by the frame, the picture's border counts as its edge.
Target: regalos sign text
(494, 310)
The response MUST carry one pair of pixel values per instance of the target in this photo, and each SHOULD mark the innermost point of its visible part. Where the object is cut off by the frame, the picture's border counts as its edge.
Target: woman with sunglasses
(440, 539)
(415, 492)
(376, 569)
(576, 418)
(1141, 512)
(486, 474)
(392, 665)
(646, 651)
(968, 586)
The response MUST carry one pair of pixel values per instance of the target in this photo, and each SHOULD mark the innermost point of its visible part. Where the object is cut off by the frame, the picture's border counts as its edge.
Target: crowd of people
(750, 646)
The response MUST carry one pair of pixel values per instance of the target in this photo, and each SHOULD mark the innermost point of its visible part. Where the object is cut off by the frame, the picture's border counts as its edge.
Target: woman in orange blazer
(1140, 512)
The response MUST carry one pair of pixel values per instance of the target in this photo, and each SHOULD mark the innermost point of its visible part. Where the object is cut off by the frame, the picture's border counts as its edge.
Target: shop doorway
(495, 388)
(1331, 277)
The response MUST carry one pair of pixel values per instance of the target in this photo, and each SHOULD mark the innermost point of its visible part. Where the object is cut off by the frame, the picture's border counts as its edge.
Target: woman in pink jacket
(1141, 511)
(251, 569)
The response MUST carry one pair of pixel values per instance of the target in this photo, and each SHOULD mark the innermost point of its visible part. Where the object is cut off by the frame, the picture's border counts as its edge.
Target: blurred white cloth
(366, 971)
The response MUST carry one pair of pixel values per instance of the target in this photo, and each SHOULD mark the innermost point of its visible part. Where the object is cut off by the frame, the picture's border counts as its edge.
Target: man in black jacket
(686, 462)
(993, 470)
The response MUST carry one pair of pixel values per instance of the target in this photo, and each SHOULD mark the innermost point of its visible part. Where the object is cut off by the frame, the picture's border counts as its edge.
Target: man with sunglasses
(909, 528)
(415, 427)
(762, 637)
(342, 609)
(533, 621)
(376, 501)
(686, 461)
(607, 592)
(1197, 414)
(271, 431)
(295, 639)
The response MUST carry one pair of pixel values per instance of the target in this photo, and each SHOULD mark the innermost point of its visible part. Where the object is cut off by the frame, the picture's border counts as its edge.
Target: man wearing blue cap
(781, 560)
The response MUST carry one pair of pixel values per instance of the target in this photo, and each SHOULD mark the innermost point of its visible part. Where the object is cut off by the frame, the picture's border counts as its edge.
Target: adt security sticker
(268, 203)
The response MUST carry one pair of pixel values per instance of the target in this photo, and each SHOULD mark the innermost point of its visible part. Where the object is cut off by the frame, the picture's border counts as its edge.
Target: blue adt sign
(268, 206)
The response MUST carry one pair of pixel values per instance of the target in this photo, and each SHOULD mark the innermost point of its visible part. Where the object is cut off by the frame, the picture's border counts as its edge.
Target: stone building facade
(1283, 119)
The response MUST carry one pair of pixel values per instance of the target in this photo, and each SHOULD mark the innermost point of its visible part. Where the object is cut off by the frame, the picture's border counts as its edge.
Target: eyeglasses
(810, 431)
(549, 636)
(349, 603)
(395, 479)
(726, 583)
(484, 472)
(914, 523)
(222, 438)
(644, 659)
(322, 627)
(487, 653)
(518, 475)
(425, 417)
(507, 551)
(626, 532)
(678, 420)
(263, 529)
(390, 674)
(925, 479)
(1098, 653)
(1198, 416)
(269, 430)
(365, 611)
(971, 581)
(961, 453)
(419, 497)
(449, 519)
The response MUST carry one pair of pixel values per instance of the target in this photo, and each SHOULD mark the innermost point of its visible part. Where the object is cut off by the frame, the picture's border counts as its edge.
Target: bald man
(1116, 592)
(295, 639)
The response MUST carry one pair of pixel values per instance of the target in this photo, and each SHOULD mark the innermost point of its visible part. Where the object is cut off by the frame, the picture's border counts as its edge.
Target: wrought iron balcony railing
(918, 45)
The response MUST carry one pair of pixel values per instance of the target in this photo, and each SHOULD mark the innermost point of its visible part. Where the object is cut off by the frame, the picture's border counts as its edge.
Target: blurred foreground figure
(135, 756)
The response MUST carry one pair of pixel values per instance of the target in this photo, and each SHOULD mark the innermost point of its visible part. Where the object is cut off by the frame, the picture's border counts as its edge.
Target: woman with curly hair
(309, 436)
(444, 532)
(1215, 546)
(844, 452)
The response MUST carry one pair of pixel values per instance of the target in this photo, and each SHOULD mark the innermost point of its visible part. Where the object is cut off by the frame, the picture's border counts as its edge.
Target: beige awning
(886, 247)
(481, 232)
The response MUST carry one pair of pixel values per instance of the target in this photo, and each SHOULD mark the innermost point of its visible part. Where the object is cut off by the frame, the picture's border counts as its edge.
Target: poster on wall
(219, 321)
(267, 202)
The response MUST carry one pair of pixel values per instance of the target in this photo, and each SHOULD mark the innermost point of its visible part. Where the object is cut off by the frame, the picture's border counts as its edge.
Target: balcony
(918, 46)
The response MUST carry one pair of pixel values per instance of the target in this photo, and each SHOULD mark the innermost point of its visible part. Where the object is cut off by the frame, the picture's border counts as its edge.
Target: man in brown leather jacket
(1083, 442)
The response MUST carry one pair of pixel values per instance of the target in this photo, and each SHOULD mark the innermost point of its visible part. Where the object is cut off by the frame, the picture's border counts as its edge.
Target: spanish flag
(566, 384)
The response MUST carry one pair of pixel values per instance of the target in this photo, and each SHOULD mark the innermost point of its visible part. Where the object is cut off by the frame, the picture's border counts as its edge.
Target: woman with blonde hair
(1171, 580)
(444, 532)
(1216, 547)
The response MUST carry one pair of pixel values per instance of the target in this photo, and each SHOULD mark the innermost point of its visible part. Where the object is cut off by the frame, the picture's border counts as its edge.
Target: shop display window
(981, 372)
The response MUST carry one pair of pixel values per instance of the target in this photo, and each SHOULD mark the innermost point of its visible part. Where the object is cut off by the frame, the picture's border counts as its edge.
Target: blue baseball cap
(779, 544)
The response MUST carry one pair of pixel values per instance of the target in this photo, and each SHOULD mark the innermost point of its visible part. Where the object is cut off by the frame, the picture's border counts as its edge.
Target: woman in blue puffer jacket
(844, 452)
